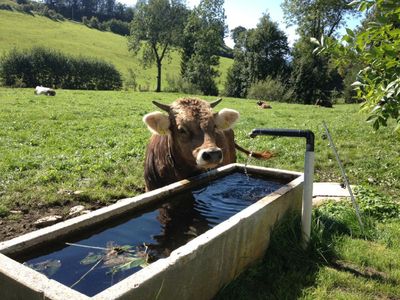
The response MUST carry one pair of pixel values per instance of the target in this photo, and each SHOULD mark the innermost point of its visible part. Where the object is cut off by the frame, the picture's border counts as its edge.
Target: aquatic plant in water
(113, 257)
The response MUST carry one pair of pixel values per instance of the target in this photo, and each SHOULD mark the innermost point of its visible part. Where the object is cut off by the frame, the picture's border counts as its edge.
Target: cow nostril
(206, 156)
(212, 156)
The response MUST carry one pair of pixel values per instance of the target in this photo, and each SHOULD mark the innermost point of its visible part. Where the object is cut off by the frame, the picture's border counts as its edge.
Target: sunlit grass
(95, 142)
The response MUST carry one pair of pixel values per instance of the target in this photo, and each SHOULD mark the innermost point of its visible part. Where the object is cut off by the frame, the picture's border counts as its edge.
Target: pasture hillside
(21, 31)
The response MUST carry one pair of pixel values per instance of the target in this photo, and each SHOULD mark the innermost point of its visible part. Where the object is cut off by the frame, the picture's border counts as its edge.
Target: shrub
(26, 8)
(85, 21)
(131, 80)
(41, 66)
(117, 27)
(271, 89)
(49, 13)
(5, 6)
(236, 83)
(178, 84)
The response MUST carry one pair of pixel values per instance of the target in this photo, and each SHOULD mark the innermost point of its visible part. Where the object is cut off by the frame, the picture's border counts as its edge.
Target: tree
(203, 39)
(156, 28)
(315, 18)
(259, 53)
(376, 47)
(312, 76)
(236, 33)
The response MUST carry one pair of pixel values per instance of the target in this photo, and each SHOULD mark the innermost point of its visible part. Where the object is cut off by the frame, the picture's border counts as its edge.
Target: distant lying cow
(324, 103)
(41, 90)
(189, 140)
(263, 105)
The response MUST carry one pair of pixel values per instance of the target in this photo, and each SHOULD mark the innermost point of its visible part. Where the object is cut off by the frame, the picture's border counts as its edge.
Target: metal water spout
(308, 172)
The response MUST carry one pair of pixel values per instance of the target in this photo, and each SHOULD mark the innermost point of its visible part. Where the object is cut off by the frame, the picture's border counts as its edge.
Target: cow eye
(183, 131)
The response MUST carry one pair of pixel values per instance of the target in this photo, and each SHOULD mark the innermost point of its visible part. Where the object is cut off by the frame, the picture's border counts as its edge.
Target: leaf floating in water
(48, 267)
(131, 262)
(116, 258)
(91, 258)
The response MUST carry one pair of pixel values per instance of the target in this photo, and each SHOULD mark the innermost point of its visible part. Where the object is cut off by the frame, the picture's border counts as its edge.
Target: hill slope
(19, 30)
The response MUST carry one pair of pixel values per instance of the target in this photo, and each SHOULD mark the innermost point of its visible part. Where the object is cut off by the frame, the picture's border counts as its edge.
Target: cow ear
(225, 118)
(157, 122)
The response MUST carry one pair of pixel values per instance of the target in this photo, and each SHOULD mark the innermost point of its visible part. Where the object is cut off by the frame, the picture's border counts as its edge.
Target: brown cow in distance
(324, 103)
(188, 140)
(263, 105)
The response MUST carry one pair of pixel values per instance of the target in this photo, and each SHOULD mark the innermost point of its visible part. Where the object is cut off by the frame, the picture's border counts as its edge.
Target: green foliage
(377, 205)
(258, 53)
(131, 80)
(156, 28)
(312, 76)
(102, 10)
(5, 6)
(41, 66)
(375, 47)
(117, 26)
(315, 18)
(3, 210)
(374, 207)
(236, 84)
(46, 12)
(201, 43)
(272, 90)
(179, 84)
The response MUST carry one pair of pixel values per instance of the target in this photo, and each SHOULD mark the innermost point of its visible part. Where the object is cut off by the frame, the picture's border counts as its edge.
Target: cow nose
(212, 156)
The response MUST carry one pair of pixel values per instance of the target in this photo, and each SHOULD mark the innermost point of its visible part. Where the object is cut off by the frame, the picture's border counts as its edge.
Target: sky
(247, 13)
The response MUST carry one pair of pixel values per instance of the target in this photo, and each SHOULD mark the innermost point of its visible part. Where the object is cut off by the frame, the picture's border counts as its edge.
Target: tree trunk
(158, 89)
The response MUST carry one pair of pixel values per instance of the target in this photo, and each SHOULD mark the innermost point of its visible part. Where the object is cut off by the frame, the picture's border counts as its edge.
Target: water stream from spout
(249, 157)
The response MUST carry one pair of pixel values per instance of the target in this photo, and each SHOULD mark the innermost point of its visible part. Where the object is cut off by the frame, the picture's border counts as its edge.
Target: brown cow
(324, 103)
(263, 105)
(189, 140)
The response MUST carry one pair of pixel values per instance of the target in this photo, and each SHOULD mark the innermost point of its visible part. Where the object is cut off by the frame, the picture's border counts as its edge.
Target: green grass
(21, 31)
(94, 142)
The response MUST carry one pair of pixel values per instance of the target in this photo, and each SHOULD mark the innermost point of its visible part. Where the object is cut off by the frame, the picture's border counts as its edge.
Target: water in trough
(97, 260)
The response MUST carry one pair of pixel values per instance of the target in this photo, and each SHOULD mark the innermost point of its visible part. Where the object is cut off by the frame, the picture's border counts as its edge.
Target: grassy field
(94, 142)
(21, 31)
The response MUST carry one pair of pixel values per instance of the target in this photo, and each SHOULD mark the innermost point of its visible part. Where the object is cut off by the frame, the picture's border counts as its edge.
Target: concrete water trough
(196, 270)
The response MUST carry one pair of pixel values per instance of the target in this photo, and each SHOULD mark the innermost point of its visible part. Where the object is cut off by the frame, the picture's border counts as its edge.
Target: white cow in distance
(41, 90)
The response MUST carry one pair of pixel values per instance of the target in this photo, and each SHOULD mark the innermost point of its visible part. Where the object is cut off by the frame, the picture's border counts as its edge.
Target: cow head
(194, 132)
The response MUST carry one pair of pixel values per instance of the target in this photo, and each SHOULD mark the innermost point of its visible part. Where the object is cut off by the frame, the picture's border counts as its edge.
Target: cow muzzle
(209, 158)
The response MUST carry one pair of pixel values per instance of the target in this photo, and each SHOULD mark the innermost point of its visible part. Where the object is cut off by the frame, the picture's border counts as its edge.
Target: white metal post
(306, 212)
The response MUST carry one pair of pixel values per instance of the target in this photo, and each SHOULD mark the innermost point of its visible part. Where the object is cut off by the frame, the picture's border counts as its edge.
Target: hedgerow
(47, 67)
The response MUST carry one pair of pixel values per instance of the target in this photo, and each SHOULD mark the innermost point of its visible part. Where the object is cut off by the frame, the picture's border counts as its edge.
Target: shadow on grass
(287, 269)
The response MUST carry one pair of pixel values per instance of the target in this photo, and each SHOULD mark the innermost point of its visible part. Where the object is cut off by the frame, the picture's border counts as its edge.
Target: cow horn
(164, 107)
(215, 103)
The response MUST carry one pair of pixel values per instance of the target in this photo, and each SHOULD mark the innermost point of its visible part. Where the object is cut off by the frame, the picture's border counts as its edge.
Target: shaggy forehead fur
(190, 109)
